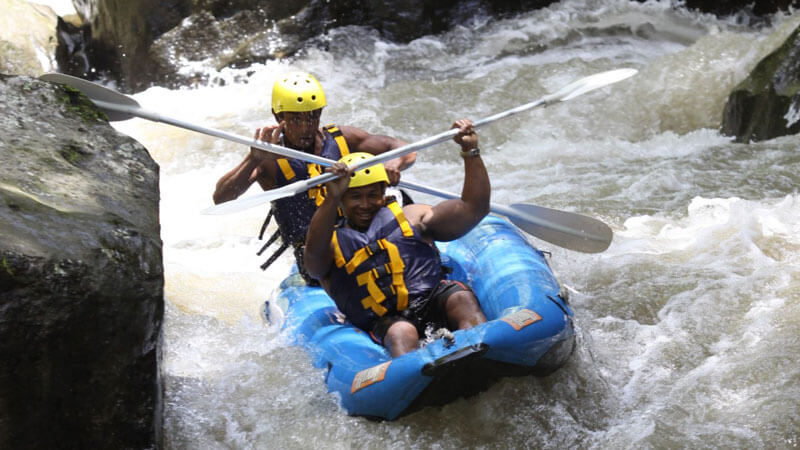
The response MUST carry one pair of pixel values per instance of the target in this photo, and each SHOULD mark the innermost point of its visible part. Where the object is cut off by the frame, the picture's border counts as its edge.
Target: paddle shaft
(261, 145)
(111, 100)
(526, 221)
(301, 186)
(593, 235)
(567, 92)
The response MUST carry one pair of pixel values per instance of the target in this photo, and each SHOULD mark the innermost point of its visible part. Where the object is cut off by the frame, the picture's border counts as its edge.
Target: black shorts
(422, 313)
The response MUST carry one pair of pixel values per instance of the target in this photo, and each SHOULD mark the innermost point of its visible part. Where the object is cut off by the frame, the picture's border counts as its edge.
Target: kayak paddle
(118, 106)
(568, 92)
(565, 229)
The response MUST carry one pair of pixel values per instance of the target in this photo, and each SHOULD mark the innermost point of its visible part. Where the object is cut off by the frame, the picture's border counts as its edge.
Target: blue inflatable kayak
(529, 330)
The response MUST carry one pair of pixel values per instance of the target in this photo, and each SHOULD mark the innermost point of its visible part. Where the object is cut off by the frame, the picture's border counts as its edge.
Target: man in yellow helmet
(379, 263)
(297, 102)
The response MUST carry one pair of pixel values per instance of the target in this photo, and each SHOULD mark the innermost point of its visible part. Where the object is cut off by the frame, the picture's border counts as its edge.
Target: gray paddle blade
(565, 229)
(590, 83)
(97, 93)
(251, 201)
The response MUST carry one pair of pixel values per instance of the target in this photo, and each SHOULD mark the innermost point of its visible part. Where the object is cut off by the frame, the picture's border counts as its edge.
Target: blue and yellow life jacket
(293, 214)
(382, 270)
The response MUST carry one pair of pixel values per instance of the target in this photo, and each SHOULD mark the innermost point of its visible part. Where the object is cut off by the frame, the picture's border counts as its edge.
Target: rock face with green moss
(81, 276)
(767, 104)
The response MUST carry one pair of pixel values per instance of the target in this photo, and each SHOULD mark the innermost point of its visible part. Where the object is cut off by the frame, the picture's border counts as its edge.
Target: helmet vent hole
(299, 99)
(313, 98)
(366, 171)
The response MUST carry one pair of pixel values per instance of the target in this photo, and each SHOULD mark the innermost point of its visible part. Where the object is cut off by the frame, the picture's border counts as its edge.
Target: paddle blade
(243, 203)
(590, 83)
(98, 93)
(564, 229)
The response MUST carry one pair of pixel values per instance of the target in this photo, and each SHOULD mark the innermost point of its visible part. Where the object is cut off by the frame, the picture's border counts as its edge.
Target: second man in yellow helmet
(379, 262)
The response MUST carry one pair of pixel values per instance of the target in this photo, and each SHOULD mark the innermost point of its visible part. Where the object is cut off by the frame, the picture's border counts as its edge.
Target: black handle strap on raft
(275, 256)
(272, 239)
(264, 228)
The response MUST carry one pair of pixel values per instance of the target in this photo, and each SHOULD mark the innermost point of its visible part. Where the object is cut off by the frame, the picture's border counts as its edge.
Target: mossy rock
(767, 104)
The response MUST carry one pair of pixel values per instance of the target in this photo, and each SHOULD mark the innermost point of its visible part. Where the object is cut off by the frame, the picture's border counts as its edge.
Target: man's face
(362, 203)
(301, 128)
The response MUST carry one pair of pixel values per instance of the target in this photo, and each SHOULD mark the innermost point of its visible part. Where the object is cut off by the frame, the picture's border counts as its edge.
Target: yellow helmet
(297, 92)
(367, 175)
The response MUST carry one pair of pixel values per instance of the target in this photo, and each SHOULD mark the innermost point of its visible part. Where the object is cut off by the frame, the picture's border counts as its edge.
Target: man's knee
(463, 310)
(401, 338)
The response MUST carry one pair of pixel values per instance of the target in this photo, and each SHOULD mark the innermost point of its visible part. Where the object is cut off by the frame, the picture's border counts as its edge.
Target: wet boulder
(27, 38)
(81, 276)
(161, 42)
(153, 42)
(149, 41)
(767, 103)
(120, 33)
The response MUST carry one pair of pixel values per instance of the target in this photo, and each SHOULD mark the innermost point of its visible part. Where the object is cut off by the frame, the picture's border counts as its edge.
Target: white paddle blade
(243, 203)
(96, 92)
(564, 229)
(590, 83)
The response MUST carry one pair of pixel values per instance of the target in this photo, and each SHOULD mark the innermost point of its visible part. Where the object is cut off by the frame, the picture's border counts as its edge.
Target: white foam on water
(793, 114)
(684, 323)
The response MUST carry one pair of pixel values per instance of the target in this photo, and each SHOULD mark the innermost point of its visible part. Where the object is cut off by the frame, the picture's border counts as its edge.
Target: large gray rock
(81, 276)
(767, 103)
(123, 32)
(147, 42)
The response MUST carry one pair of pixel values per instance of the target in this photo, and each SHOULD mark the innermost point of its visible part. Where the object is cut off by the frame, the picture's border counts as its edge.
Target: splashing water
(687, 323)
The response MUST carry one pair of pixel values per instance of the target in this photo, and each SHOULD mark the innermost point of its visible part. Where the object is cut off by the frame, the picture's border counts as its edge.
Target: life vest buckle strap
(337, 135)
(374, 247)
(381, 271)
(333, 130)
(286, 168)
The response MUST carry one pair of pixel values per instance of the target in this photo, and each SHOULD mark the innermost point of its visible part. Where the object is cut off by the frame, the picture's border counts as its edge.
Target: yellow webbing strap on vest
(334, 131)
(288, 173)
(395, 266)
(369, 278)
(338, 257)
(316, 193)
(314, 170)
(362, 255)
(397, 210)
(375, 298)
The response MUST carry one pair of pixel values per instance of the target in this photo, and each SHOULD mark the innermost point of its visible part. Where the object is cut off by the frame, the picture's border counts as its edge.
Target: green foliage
(6, 267)
(78, 104)
(73, 153)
